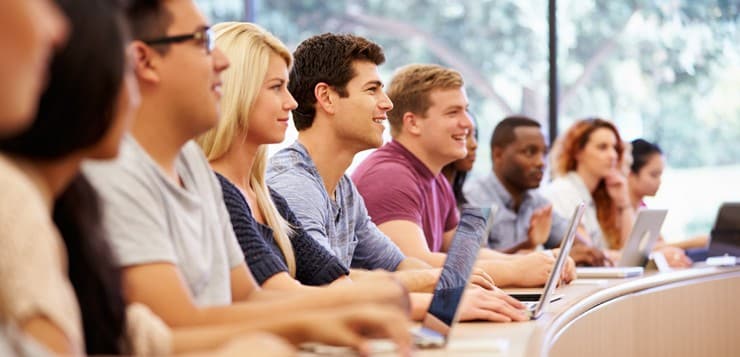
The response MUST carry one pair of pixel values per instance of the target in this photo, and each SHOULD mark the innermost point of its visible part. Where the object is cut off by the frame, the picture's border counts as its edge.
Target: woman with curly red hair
(586, 162)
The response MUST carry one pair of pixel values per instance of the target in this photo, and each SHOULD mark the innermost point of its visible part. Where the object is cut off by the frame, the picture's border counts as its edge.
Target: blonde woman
(255, 107)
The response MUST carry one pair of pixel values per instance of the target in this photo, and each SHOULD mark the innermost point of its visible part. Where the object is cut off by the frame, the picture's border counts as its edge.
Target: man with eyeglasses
(164, 214)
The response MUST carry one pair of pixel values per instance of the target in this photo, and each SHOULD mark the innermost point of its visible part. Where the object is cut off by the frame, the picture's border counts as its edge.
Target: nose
(385, 103)
(220, 62)
(56, 26)
(467, 122)
(290, 103)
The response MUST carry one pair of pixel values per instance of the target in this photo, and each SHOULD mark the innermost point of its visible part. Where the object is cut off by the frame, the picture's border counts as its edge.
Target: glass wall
(668, 71)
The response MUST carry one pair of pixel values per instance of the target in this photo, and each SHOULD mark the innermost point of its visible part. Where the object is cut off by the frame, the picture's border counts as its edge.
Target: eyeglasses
(203, 35)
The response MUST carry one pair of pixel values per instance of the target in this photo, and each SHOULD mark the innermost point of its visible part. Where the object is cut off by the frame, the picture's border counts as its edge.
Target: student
(416, 208)
(524, 218)
(586, 165)
(341, 108)
(279, 252)
(29, 33)
(643, 180)
(457, 171)
(163, 214)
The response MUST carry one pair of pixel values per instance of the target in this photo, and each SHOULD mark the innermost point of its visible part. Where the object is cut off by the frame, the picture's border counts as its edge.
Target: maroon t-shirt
(397, 186)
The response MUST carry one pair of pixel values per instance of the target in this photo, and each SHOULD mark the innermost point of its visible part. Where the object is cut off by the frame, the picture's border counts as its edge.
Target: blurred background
(664, 70)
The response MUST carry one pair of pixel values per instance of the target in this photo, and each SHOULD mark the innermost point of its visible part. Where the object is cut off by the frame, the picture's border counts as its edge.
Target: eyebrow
(457, 107)
(375, 82)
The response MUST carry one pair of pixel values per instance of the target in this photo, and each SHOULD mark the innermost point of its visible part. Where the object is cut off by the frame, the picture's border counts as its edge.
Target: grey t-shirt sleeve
(305, 200)
(374, 249)
(132, 215)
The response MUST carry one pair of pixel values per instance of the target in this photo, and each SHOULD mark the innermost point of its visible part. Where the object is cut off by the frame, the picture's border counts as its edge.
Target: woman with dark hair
(457, 171)
(586, 162)
(643, 180)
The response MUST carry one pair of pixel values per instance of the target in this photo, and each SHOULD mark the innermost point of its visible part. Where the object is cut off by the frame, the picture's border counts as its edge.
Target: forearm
(501, 271)
(490, 254)
(626, 220)
(419, 305)
(207, 338)
(419, 280)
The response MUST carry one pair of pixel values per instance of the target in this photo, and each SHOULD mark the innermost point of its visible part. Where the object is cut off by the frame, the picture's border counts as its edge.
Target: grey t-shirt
(148, 218)
(341, 225)
(511, 227)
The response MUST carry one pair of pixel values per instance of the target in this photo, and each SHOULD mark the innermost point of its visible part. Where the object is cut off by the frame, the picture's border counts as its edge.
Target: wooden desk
(693, 312)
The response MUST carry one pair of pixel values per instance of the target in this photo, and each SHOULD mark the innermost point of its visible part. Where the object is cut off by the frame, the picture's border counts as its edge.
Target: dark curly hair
(326, 58)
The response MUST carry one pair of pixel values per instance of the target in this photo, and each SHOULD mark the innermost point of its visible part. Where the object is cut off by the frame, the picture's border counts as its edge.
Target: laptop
(536, 308)
(724, 239)
(461, 257)
(636, 253)
(453, 279)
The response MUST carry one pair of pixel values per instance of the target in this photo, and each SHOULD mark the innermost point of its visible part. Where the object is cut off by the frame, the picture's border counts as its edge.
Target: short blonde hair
(248, 47)
(410, 90)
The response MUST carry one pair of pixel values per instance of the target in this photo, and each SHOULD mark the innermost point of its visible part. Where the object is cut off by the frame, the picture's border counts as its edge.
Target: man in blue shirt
(524, 218)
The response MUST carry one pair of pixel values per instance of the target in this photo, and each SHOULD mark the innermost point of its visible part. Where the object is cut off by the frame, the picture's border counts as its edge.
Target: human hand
(354, 326)
(257, 343)
(587, 255)
(490, 305)
(616, 188)
(539, 225)
(675, 257)
(377, 286)
(532, 269)
(480, 278)
(569, 270)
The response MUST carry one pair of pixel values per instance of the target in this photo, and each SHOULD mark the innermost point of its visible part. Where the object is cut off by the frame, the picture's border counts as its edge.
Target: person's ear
(412, 123)
(326, 97)
(146, 62)
(497, 153)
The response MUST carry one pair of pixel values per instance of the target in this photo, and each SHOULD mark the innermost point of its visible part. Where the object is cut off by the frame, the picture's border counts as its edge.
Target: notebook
(725, 235)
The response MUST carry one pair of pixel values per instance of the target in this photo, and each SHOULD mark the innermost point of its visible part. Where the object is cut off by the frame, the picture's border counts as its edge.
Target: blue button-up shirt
(510, 227)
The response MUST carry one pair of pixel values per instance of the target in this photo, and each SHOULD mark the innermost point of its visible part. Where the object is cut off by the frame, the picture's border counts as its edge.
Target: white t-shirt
(148, 218)
(565, 193)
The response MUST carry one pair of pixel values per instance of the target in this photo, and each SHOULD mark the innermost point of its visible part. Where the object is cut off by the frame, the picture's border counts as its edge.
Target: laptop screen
(565, 245)
(461, 257)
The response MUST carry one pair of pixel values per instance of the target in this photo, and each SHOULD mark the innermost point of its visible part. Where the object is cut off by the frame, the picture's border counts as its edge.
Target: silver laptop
(645, 232)
(537, 308)
(635, 254)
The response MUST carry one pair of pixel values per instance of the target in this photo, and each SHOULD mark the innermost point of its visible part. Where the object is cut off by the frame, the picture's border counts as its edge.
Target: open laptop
(635, 254)
(536, 308)
(724, 238)
(453, 279)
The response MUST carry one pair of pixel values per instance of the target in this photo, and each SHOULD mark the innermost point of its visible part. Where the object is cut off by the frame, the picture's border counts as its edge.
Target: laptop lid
(725, 235)
(453, 279)
(565, 245)
(645, 232)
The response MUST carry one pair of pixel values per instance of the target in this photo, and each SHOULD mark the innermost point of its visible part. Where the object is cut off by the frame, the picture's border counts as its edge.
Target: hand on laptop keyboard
(490, 305)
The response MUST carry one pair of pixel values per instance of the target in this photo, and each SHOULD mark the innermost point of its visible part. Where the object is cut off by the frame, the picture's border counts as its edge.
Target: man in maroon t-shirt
(405, 193)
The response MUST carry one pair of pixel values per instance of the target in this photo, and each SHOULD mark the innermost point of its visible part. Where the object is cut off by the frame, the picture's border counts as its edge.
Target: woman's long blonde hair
(563, 158)
(248, 47)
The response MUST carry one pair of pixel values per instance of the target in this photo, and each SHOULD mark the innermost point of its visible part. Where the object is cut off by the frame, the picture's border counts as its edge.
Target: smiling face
(521, 163)
(29, 32)
(190, 77)
(466, 164)
(358, 117)
(444, 129)
(268, 117)
(599, 156)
